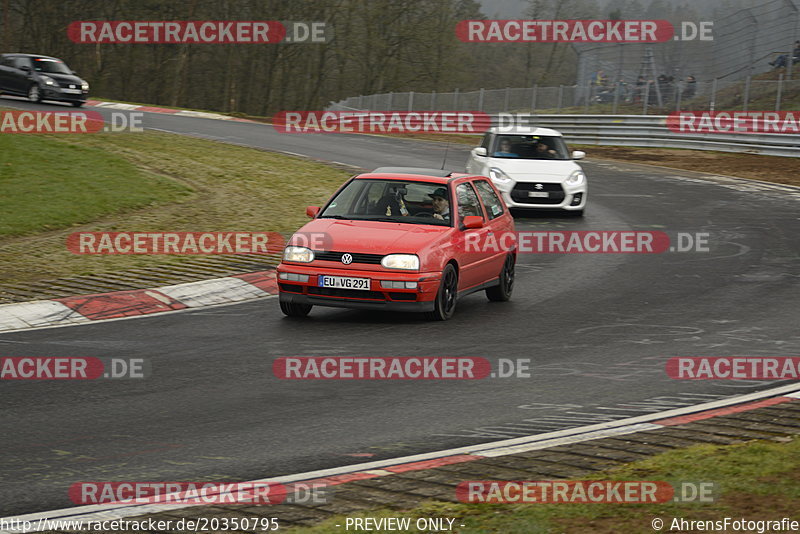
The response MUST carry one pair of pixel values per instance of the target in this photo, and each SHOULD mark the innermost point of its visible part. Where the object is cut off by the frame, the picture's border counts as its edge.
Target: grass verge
(46, 185)
(756, 480)
(51, 186)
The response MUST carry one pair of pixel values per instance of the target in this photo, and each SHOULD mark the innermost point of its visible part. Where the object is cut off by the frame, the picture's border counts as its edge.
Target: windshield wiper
(382, 219)
(402, 220)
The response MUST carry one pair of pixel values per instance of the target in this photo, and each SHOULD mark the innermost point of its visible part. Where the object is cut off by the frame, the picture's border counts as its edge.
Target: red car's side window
(468, 203)
(494, 207)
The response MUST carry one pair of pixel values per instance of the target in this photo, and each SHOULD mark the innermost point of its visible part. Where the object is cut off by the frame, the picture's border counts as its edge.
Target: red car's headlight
(298, 254)
(406, 262)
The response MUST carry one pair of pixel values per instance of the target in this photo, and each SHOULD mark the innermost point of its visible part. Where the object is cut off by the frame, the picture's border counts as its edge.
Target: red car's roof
(409, 177)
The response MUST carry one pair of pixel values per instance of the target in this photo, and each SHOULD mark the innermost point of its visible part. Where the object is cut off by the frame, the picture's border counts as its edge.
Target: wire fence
(649, 98)
(750, 63)
(742, 43)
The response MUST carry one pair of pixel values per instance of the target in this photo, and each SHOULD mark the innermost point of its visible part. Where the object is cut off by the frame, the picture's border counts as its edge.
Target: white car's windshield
(530, 147)
(391, 201)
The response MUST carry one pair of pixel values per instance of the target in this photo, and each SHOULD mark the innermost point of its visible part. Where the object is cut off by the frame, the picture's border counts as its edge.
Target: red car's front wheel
(445, 303)
(292, 309)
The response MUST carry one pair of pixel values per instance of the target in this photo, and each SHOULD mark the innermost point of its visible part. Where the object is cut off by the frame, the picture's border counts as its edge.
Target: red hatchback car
(400, 239)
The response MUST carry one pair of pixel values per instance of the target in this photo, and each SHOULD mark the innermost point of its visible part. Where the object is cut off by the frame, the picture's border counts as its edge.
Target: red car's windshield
(392, 201)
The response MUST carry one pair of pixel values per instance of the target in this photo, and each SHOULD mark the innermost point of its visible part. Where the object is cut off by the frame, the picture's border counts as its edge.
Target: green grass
(46, 185)
(51, 186)
(757, 480)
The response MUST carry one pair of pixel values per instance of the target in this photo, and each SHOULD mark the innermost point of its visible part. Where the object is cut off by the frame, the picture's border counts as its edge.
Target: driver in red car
(441, 207)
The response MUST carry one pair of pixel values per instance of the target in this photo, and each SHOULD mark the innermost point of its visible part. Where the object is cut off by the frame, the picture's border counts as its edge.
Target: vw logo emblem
(72, 87)
(538, 186)
(347, 259)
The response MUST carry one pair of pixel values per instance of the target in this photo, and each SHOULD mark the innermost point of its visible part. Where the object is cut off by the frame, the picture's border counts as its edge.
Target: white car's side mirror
(578, 154)
(479, 151)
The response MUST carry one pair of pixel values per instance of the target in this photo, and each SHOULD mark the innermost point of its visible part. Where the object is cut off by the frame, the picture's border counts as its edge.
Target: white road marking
(99, 512)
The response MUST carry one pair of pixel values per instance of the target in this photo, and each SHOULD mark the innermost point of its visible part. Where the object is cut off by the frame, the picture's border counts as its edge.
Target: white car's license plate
(72, 91)
(538, 194)
(342, 282)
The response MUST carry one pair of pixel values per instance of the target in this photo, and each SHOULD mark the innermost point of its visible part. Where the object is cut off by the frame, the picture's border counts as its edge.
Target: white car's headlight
(85, 86)
(576, 178)
(499, 176)
(408, 262)
(298, 254)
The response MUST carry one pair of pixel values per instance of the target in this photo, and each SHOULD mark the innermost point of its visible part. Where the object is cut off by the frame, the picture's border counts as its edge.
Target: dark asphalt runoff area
(597, 329)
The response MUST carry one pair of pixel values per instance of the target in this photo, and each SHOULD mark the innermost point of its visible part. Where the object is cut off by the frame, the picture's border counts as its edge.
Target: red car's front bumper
(420, 299)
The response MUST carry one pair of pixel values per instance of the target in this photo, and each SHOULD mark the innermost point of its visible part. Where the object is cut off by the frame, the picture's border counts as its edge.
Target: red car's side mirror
(473, 221)
(312, 211)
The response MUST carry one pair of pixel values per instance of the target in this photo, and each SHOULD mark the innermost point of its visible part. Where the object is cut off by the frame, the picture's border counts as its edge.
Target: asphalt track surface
(597, 329)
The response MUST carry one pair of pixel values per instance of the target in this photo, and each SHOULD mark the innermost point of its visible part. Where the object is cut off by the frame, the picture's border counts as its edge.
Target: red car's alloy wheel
(445, 304)
(502, 291)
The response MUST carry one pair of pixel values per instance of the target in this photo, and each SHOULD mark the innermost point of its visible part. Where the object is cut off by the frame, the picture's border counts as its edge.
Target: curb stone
(402, 486)
(120, 304)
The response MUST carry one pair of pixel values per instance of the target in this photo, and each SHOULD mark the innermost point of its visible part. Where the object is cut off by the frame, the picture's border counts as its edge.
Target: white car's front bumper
(529, 195)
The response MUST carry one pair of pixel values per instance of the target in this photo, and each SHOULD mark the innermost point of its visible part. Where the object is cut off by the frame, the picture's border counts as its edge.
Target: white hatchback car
(532, 168)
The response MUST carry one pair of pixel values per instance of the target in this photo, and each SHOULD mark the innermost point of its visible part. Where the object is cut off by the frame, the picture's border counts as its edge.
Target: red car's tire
(502, 291)
(446, 297)
(292, 309)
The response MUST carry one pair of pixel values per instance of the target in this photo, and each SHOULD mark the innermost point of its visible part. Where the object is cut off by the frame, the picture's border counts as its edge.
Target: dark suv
(41, 78)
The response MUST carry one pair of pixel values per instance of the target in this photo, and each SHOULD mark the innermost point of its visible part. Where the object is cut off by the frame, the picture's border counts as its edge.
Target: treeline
(378, 46)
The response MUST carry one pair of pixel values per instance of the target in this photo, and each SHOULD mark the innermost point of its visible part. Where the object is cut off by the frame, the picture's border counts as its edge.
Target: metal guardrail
(643, 131)
(651, 131)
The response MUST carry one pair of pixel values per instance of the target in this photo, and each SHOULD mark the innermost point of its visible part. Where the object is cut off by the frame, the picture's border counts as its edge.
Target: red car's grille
(372, 259)
(349, 293)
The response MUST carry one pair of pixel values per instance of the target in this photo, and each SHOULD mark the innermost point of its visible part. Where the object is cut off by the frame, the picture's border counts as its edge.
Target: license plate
(342, 282)
(72, 91)
(538, 194)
